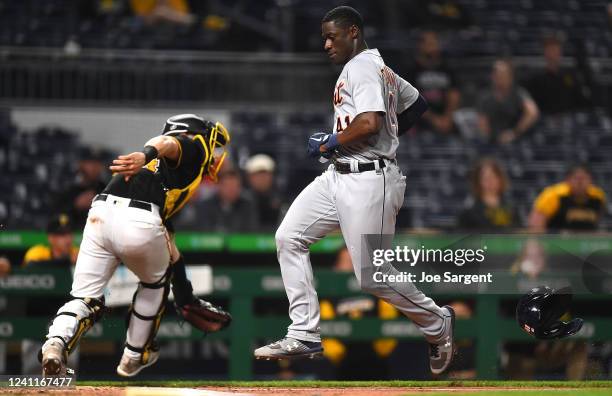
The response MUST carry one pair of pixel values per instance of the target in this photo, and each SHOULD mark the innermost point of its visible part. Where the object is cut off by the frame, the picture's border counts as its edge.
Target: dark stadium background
(102, 76)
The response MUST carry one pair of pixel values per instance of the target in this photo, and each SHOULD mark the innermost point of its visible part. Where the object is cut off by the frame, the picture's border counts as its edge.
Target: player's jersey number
(347, 122)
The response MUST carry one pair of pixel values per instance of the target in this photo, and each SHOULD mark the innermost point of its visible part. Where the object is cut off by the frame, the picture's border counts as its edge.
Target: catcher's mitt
(204, 316)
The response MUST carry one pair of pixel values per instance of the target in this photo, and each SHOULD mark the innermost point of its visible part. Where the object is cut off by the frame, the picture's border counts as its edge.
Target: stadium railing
(44, 75)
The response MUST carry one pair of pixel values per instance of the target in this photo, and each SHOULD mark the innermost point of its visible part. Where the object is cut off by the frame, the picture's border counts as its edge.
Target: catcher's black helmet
(191, 123)
(214, 135)
(538, 313)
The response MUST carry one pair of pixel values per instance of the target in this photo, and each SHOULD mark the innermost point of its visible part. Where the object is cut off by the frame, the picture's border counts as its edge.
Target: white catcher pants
(117, 233)
(359, 204)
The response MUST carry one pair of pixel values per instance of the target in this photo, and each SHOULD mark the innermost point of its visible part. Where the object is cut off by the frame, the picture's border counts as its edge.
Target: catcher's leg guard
(181, 287)
(144, 318)
(73, 320)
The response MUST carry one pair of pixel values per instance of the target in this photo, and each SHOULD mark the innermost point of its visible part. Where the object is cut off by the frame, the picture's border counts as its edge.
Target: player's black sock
(309, 344)
(181, 287)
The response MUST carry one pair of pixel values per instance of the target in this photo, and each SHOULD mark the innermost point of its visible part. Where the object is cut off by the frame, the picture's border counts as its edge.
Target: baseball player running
(360, 192)
(126, 224)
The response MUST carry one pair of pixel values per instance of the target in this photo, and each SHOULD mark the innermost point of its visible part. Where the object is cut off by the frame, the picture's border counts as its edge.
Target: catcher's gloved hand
(319, 139)
(204, 316)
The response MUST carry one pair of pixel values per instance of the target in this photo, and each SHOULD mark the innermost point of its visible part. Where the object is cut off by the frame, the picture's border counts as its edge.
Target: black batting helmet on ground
(539, 313)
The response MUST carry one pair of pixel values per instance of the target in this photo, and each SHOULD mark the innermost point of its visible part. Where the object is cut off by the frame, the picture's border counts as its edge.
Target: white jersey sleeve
(366, 83)
(407, 95)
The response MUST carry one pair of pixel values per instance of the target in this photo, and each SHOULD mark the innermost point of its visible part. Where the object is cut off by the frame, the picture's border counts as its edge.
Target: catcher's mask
(214, 135)
(539, 313)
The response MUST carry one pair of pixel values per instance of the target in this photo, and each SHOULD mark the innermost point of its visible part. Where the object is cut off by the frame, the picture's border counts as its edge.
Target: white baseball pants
(117, 233)
(359, 204)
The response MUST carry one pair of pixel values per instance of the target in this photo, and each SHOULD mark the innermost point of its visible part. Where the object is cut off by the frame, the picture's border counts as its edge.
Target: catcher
(126, 223)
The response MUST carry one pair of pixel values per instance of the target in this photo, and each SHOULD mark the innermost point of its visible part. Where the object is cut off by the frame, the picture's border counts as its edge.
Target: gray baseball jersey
(359, 203)
(367, 84)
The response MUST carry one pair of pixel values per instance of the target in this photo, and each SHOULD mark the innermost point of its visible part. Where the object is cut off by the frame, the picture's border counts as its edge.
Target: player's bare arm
(363, 126)
(130, 164)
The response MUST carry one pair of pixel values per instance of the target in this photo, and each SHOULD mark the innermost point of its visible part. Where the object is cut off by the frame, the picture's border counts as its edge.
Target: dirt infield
(235, 391)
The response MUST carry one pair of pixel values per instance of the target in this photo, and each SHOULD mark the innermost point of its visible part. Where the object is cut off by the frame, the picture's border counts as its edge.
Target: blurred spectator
(190, 217)
(60, 252)
(5, 266)
(488, 210)
(574, 204)
(436, 82)
(6, 127)
(260, 176)
(76, 200)
(532, 260)
(88, 10)
(441, 14)
(556, 89)
(357, 361)
(228, 210)
(507, 111)
(153, 11)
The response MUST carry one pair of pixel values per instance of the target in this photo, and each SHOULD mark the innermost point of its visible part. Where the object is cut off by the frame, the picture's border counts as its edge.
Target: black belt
(134, 203)
(344, 167)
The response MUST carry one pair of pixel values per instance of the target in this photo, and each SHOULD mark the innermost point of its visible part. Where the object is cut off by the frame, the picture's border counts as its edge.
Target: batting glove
(329, 140)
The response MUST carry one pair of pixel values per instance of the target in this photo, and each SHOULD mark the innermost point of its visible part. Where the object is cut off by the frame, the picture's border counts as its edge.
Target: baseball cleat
(441, 355)
(53, 358)
(129, 367)
(289, 348)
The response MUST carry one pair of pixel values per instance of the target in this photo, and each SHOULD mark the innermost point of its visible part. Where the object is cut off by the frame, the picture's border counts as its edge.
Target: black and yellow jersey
(479, 216)
(43, 254)
(566, 212)
(164, 182)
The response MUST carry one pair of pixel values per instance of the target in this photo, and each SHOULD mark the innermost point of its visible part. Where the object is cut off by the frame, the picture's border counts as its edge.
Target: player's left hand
(322, 144)
(128, 165)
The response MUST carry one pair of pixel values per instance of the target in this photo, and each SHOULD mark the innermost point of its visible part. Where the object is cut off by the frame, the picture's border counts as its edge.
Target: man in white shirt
(360, 193)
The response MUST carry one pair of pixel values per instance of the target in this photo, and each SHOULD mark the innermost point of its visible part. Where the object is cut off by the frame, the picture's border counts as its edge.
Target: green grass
(541, 392)
(532, 388)
(348, 384)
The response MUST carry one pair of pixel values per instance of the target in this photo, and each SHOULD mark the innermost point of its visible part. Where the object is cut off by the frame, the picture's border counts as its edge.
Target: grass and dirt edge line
(353, 384)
